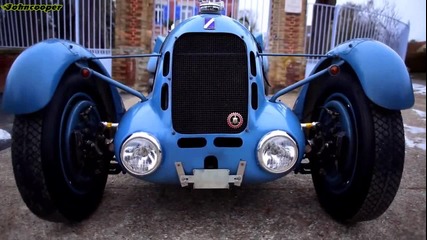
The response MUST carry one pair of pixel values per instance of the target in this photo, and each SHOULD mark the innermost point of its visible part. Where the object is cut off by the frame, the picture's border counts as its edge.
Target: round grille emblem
(235, 120)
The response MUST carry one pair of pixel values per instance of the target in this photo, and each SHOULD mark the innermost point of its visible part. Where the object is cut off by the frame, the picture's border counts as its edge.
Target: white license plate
(211, 178)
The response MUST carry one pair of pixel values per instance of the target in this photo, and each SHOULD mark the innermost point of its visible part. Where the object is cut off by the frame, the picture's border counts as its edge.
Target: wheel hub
(334, 144)
(81, 156)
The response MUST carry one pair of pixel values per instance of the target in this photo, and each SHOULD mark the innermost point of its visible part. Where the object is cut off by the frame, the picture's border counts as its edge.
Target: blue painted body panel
(146, 117)
(149, 117)
(259, 38)
(152, 61)
(381, 72)
(35, 74)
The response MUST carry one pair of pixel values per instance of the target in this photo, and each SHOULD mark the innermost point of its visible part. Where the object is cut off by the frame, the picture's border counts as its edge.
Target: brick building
(133, 35)
(139, 21)
(108, 27)
(168, 13)
(137, 24)
(287, 35)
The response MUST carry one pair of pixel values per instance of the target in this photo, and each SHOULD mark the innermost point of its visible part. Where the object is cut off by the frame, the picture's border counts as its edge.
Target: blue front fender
(36, 73)
(381, 72)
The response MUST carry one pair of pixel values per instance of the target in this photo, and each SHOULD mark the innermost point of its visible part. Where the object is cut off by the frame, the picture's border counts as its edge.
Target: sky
(413, 11)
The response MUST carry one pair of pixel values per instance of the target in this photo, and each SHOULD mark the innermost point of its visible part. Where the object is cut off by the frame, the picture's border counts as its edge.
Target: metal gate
(89, 23)
(328, 26)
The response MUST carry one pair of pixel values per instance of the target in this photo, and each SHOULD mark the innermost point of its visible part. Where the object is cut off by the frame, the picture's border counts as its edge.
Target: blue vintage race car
(208, 123)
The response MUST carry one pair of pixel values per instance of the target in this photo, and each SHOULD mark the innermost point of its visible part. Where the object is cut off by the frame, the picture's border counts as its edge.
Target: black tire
(55, 179)
(357, 173)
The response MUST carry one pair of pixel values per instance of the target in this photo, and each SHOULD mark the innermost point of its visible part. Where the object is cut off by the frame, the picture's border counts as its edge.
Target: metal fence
(328, 26)
(89, 23)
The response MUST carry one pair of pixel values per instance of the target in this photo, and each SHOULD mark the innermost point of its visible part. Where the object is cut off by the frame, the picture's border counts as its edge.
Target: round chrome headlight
(277, 152)
(141, 154)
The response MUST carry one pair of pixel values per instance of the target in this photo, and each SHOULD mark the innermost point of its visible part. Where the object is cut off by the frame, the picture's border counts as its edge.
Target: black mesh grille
(209, 82)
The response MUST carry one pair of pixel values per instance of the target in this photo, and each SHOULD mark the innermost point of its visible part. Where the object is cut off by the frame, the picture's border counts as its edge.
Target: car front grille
(209, 82)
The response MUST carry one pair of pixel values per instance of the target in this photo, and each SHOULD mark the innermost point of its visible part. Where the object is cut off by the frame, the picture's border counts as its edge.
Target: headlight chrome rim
(150, 138)
(269, 136)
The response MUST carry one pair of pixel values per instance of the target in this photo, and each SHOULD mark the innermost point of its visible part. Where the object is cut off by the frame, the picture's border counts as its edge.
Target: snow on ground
(420, 113)
(419, 89)
(413, 138)
(414, 130)
(416, 142)
(4, 135)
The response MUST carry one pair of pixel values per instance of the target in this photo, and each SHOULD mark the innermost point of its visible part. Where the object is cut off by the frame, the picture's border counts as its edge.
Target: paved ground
(284, 209)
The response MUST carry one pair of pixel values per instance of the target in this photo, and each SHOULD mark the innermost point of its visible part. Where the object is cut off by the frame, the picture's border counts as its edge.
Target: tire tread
(28, 168)
(388, 166)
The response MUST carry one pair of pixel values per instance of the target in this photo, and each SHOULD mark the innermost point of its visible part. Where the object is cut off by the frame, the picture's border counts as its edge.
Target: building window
(158, 14)
(186, 12)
